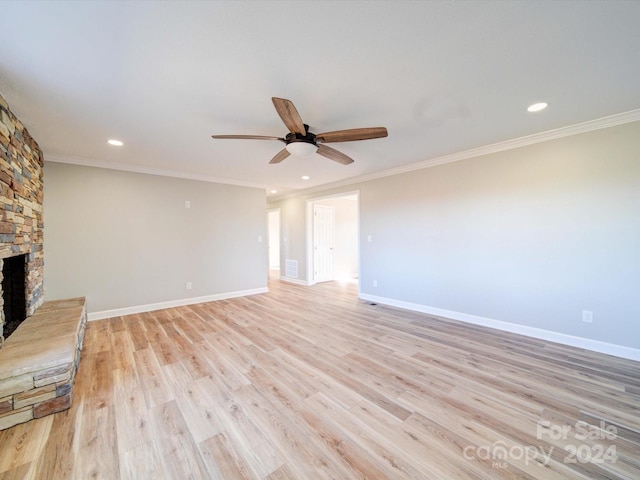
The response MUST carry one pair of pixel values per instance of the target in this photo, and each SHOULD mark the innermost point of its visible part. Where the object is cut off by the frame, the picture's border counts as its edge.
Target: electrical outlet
(187, 204)
(587, 316)
(188, 286)
(375, 283)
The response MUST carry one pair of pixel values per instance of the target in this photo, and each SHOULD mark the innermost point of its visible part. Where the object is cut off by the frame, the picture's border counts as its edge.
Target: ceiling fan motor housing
(296, 137)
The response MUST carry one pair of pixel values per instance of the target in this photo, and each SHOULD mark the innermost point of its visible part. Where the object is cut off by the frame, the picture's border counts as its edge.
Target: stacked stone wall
(21, 199)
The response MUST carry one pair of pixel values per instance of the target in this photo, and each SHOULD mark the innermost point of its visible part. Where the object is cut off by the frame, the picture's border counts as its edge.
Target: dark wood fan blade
(280, 156)
(334, 155)
(248, 137)
(289, 115)
(352, 134)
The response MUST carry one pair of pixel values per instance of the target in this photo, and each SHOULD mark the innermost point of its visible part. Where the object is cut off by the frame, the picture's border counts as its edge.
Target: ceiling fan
(300, 141)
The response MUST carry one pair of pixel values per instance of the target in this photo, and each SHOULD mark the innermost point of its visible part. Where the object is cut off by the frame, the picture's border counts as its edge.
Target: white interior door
(323, 225)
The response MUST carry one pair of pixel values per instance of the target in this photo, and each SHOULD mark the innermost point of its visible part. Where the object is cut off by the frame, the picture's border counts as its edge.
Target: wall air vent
(291, 268)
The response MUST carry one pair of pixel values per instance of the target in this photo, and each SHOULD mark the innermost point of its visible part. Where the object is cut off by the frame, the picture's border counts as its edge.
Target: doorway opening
(333, 251)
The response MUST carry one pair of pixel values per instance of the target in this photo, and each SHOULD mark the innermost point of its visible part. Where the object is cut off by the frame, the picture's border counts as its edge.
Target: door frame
(309, 230)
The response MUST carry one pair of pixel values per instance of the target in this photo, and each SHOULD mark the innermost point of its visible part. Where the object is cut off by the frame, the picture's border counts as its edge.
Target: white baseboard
(549, 335)
(294, 280)
(172, 303)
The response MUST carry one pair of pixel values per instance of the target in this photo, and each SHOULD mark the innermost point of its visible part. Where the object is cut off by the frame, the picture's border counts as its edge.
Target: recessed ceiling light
(115, 143)
(305, 177)
(274, 191)
(536, 107)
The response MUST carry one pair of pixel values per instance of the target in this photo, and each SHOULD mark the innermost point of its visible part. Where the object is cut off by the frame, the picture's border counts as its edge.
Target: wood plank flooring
(312, 383)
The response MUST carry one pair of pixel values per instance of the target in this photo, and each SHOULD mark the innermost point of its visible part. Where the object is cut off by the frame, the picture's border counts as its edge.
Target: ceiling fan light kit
(301, 142)
(301, 148)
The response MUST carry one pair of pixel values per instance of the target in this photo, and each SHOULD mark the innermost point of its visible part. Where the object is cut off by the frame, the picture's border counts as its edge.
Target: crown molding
(584, 127)
(600, 123)
(87, 162)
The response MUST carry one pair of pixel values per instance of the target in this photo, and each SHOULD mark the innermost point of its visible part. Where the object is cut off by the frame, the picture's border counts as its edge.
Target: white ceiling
(443, 77)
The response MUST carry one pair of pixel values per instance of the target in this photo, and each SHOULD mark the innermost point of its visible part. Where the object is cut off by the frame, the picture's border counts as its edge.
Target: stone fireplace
(21, 225)
(40, 356)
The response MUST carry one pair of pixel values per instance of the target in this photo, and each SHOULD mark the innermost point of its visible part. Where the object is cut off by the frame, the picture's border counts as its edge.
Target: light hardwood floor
(312, 383)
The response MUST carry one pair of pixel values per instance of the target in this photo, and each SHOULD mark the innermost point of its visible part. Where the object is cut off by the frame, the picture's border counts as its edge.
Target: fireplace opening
(13, 293)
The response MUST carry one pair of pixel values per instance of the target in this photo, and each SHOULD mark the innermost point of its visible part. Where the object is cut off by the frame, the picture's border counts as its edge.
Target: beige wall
(292, 233)
(273, 222)
(126, 239)
(531, 236)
